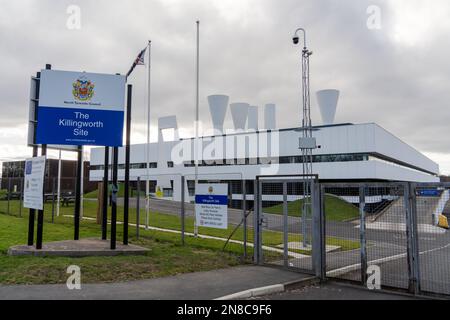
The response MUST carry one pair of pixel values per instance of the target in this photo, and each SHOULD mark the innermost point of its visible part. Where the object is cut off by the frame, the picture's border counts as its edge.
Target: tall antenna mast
(307, 142)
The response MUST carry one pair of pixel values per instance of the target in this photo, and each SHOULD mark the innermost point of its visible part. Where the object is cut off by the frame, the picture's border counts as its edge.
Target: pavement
(335, 291)
(189, 286)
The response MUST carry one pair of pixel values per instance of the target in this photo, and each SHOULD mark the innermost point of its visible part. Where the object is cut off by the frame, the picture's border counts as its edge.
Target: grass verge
(336, 209)
(167, 256)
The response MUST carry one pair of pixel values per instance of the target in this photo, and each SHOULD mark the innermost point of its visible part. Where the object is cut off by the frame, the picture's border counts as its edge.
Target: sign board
(429, 192)
(34, 183)
(79, 108)
(211, 205)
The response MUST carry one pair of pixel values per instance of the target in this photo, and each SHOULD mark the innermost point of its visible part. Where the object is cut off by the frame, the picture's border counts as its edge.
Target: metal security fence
(378, 234)
(172, 209)
(432, 202)
(399, 233)
(11, 196)
(288, 232)
(366, 226)
(240, 207)
(12, 189)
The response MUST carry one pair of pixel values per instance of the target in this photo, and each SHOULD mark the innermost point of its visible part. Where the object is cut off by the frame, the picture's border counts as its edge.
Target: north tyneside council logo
(83, 89)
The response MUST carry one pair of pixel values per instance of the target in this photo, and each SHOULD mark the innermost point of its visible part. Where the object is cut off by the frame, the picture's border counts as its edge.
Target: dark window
(189, 163)
(236, 187)
(272, 188)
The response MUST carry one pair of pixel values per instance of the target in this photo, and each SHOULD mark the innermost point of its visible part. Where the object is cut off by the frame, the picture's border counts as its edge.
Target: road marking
(391, 226)
(356, 266)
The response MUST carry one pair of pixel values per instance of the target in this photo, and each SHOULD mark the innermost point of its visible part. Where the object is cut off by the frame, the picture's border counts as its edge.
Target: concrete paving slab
(78, 248)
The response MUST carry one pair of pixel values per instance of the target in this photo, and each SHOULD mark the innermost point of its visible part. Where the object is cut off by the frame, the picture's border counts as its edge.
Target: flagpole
(147, 183)
(197, 119)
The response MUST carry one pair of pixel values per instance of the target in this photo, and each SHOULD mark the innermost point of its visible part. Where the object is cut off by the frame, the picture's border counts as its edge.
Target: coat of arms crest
(83, 89)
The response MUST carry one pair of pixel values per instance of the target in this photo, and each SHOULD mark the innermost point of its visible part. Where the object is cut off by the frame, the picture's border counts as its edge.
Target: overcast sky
(397, 76)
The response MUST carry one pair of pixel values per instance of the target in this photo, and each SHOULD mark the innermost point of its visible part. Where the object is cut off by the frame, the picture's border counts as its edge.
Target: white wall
(362, 138)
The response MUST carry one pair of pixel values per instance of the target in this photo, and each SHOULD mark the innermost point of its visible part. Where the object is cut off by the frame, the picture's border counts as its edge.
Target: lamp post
(306, 136)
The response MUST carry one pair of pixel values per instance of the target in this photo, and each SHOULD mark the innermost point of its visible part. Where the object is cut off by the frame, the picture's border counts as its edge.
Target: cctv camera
(295, 40)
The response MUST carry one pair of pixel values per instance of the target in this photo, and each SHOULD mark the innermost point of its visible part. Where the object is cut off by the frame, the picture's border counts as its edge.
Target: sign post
(76, 221)
(127, 165)
(211, 205)
(114, 192)
(40, 218)
(105, 195)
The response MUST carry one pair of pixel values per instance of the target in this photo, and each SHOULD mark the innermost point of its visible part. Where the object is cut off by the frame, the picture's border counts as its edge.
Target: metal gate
(389, 229)
(432, 202)
(369, 225)
(289, 229)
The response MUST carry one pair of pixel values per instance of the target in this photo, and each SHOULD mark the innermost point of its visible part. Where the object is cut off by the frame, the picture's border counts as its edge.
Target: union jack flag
(138, 61)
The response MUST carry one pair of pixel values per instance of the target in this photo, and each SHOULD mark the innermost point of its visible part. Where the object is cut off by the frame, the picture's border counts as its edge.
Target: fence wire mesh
(286, 224)
(398, 227)
(367, 225)
(169, 213)
(386, 233)
(11, 196)
(341, 232)
(432, 202)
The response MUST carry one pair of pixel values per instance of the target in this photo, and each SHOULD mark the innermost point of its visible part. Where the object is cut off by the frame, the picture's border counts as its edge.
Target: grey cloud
(246, 52)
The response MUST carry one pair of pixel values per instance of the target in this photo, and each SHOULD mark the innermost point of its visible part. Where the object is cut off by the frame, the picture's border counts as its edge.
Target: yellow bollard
(443, 221)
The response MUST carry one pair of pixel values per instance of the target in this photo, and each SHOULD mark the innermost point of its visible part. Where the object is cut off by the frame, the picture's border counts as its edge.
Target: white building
(346, 152)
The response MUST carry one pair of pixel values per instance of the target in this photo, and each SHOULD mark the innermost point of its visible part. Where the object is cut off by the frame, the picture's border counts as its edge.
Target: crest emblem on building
(83, 89)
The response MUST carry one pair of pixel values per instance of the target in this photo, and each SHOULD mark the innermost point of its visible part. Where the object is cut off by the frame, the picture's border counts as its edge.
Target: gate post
(318, 231)
(285, 226)
(182, 210)
(244, 216)
(362, 234)
(256, 258)
(412, 238)
(138, 206)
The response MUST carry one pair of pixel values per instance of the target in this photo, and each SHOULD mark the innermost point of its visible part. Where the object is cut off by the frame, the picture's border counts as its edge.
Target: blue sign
(429, 192)
(211, 199)
(28, 167)
(211, 208)
(80, 108)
